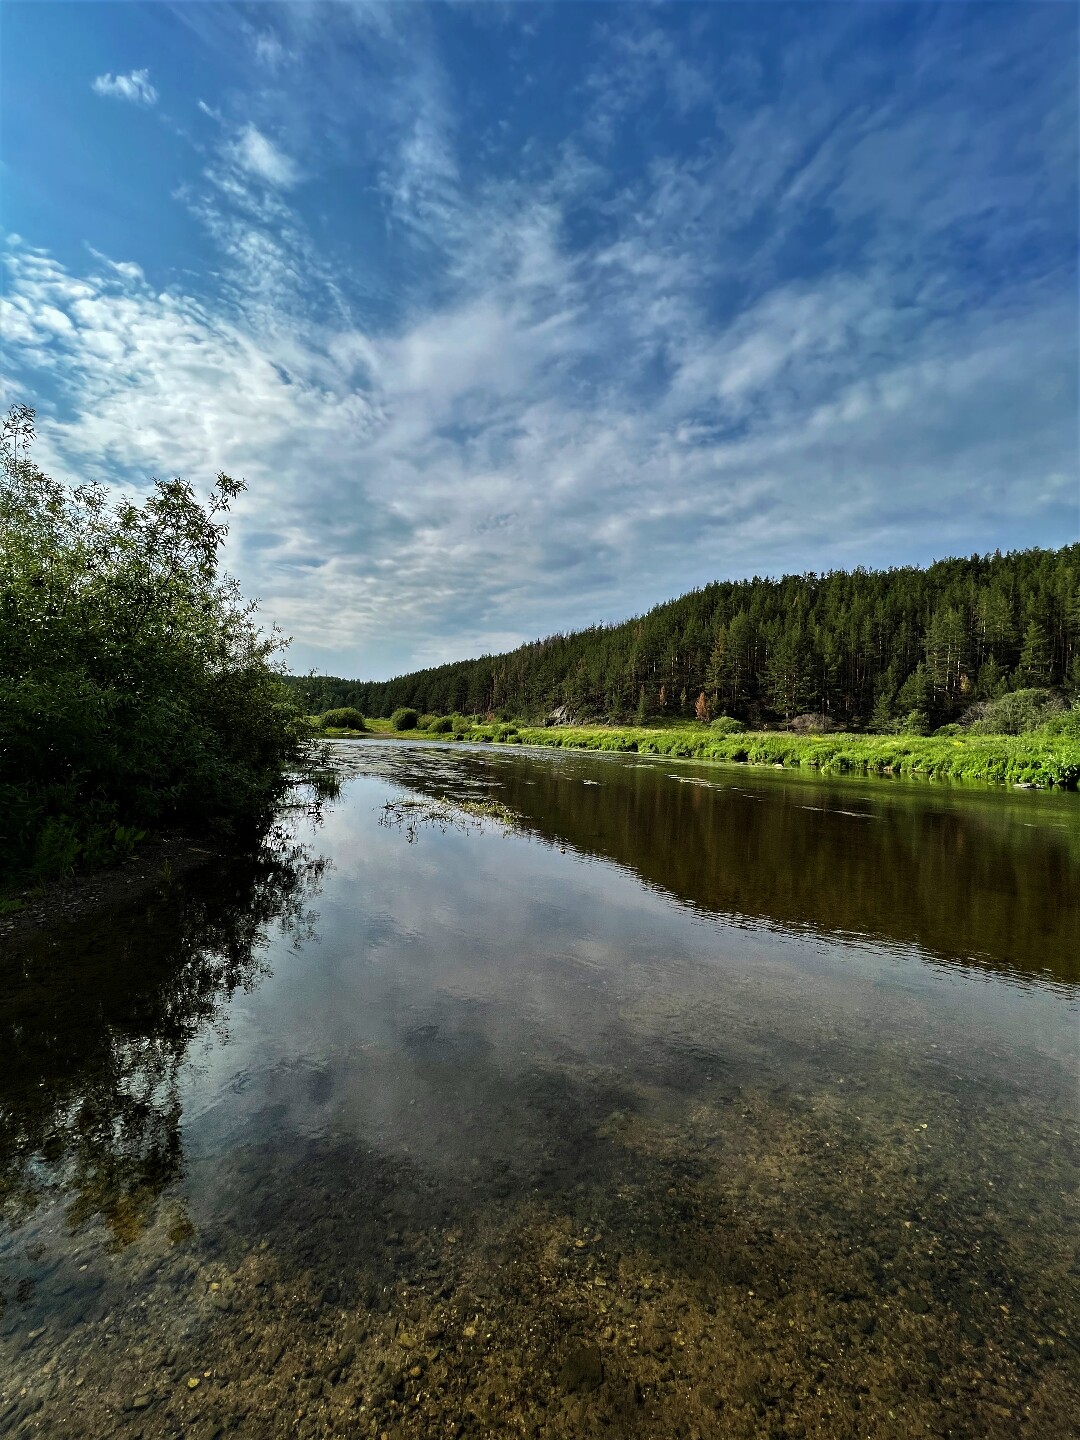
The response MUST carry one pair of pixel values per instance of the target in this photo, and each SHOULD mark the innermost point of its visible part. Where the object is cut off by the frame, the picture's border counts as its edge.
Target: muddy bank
(54, 903)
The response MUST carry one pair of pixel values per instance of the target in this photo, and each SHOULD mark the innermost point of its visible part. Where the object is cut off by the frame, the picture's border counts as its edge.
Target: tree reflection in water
(96, 1020)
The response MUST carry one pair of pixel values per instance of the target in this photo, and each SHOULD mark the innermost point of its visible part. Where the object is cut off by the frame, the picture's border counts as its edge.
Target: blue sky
(518, 317)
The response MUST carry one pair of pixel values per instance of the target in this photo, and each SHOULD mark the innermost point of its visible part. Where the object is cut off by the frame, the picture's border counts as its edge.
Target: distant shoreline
(1032, 761)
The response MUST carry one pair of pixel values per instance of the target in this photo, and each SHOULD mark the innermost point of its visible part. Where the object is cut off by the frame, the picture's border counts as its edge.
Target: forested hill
(861, 648)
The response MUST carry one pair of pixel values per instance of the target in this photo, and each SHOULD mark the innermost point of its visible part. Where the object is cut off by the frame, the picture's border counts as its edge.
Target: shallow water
(681, 1100)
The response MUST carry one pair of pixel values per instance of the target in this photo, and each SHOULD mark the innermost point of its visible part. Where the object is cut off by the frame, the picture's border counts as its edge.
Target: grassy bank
(1033, 759)
(1039, 758)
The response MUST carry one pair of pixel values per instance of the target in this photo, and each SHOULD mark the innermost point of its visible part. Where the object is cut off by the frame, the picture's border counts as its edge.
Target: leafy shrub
(424, 722)
(727, 725)
(347, 718)
(440, 725)
(404, 719)
(915, 722)
(812, 723)
(57, 847)
(1065, 724)
(1014, 714)
(136, 689)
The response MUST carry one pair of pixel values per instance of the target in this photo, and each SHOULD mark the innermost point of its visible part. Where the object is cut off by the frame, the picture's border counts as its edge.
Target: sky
(517, 317)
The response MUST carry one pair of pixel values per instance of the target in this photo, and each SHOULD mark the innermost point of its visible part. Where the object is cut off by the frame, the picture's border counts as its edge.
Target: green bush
(440, 725)
(1065, 724)
(346, 718)
(136, 689)
(915, 722)
(727, 725)
(1015, 713)
(404, 719)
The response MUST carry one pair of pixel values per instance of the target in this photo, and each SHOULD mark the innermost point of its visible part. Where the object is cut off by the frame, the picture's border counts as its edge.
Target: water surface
(676, 1099)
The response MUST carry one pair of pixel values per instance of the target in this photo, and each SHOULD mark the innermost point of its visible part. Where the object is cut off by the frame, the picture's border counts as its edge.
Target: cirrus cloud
(494, 372)
(255, 153)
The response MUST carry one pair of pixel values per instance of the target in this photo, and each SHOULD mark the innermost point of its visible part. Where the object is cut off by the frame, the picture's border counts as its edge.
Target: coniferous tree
(852, 645)
(946, 644)
(786, 678)
(1034, 666)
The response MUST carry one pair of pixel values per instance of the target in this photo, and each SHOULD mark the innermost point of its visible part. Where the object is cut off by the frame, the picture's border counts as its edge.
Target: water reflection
(96, 1021)
(972, 874)
(520, 1146)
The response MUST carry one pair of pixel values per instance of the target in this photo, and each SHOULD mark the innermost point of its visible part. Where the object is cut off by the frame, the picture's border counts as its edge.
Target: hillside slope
(858, 647)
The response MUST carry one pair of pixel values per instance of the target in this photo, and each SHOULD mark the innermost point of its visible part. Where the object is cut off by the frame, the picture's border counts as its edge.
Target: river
(555, 1095)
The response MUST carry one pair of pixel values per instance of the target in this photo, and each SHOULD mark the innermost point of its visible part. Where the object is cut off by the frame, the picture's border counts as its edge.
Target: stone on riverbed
(582, 1369)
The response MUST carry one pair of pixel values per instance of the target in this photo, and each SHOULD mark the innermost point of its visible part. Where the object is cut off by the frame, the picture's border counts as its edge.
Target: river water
(555, 1095)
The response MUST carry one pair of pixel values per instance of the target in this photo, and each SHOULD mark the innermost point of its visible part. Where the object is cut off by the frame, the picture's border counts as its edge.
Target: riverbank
(49, 903)
(1037, 759)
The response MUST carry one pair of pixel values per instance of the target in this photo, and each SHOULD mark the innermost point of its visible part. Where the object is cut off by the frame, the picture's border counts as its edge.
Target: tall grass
(1039, 758)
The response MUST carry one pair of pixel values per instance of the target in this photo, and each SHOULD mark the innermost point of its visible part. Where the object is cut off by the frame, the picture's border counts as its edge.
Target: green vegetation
(1045, 757)
(904, 650)
(1019, 712)
(444, 813)
(136, 690)
(404, 719)
(345, 717)
(1041, 758)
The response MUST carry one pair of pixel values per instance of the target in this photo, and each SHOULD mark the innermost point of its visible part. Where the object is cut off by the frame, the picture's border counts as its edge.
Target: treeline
(865, 648)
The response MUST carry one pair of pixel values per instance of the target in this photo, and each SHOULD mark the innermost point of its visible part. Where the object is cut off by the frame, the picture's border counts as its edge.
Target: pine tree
(916, 693)
(858, 636)
(993, 680)
(786, 678)
(1034, 667)
(946, 643)
(994, 620)
(882, 720)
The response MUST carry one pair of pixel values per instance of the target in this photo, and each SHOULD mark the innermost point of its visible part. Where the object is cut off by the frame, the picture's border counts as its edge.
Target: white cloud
(135, 88)
(455, 484)
(583, 395)
(269, 50)
(254, 153)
